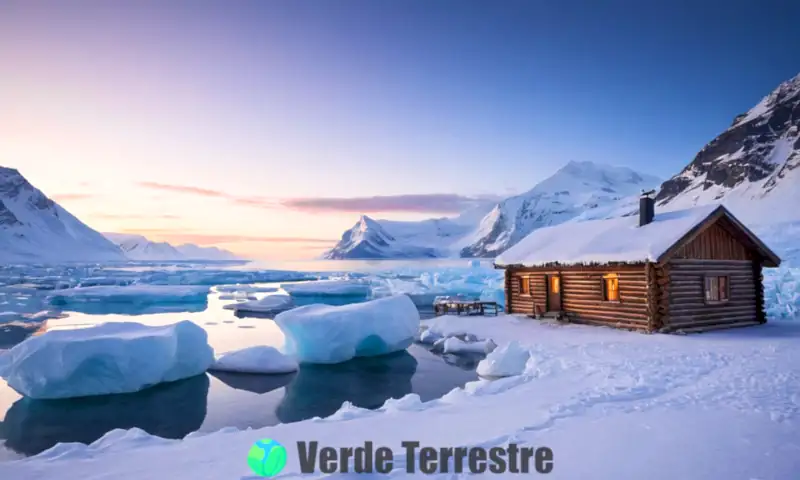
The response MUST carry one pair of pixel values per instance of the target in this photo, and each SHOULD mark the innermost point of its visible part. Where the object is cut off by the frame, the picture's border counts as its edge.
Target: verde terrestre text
(424, 459)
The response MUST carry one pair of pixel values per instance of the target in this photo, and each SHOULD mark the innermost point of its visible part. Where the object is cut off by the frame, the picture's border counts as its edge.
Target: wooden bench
(467, 307)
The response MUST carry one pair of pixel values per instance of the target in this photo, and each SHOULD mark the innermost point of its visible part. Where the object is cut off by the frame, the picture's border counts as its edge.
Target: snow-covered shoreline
(611, 404)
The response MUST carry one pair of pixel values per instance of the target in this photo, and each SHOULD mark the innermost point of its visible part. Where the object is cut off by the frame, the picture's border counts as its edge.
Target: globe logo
(266, 457)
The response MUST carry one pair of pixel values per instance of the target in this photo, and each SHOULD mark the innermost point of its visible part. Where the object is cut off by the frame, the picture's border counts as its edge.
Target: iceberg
(504, 361)
(336, 288)
(132, 294)
(258, 359)
(119, 357)
(330, 334)
(270, 303)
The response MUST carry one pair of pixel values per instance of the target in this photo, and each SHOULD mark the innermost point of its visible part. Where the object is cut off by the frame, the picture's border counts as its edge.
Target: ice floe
(109, 358)
(270, 303)
(333, 334)
(258, 359)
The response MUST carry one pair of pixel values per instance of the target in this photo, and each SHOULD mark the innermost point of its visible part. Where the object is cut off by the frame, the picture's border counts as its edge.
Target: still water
(215, 400)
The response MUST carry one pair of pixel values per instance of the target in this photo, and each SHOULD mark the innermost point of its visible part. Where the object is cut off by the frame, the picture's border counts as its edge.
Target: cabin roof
(622, 240)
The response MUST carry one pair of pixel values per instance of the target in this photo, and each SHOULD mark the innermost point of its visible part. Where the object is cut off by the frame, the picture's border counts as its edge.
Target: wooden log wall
(688, 310)
(508, 290)
(758, 278)
(715, 243)
(582, 295)
(582, 298)
(538, 292)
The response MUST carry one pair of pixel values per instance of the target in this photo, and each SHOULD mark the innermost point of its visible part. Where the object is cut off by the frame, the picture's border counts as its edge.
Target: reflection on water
(206, 403)
(367, 382)
(170, 410)
(249, 382)
(176, 409)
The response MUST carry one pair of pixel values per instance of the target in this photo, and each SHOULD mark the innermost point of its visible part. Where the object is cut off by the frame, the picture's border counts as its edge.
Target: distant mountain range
(137, 247)
(579, 189)
(751, 167)
(34, 228)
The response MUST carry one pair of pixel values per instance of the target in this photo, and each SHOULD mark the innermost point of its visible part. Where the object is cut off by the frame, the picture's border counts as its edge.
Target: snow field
(608, 403)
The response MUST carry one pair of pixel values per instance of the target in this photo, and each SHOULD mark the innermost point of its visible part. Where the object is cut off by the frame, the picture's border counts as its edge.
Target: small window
(716, 289)
(524, 286)
(611, 287)
(555, 284)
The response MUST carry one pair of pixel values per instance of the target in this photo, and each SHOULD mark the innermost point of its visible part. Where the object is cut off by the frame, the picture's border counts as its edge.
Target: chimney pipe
(647, 208)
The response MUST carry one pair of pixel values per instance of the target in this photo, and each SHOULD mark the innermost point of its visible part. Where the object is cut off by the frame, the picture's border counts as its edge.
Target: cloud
(421, 203)
(179, 236)
(133, 216)
(203, 192)
(412, 203)
(60, 197)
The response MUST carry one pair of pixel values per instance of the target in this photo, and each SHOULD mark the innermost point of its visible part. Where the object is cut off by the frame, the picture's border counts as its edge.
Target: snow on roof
(605, 241)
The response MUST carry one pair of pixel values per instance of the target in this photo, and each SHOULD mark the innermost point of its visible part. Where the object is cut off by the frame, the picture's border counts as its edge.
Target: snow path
(610, 404)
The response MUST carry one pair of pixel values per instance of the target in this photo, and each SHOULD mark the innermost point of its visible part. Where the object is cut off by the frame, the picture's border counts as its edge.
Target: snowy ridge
(751, 167)
(35, 228)
(578, 190)
(138, 247)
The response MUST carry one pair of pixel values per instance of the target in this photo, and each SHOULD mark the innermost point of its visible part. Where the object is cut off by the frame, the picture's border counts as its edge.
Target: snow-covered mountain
(34, 228)
(137, 247)
(579, 189)
(752, 167)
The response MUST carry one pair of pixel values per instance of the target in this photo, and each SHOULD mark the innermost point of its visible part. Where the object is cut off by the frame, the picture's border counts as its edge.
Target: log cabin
(681, 271)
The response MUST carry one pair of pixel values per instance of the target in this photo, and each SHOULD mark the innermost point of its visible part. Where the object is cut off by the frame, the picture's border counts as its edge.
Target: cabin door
(554, 293)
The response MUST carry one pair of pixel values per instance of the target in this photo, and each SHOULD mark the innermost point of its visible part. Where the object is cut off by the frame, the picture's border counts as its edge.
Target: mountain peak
(753, 159)
(34, 228)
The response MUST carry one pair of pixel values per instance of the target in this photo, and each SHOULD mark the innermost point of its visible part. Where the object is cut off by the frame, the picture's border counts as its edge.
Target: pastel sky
(267, 127)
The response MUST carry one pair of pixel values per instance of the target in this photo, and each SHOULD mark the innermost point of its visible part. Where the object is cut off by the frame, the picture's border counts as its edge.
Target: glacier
(333, 334)
(119, 357)
(334, 288)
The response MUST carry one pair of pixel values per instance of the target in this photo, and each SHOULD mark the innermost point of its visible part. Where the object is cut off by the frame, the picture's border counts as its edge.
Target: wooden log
(738, 318)
(678, 262)
(710, 316)
(718, 327)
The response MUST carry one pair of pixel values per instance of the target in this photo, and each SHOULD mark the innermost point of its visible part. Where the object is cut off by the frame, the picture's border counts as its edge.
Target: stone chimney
(647, 207)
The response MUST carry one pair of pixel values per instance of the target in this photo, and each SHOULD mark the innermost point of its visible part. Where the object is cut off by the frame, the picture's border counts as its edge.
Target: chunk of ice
(270, 303)
(505, 361)
(456, 345)
(327, 334)
(258, 359)
(109, 358)
(133, 294)
(346, 288)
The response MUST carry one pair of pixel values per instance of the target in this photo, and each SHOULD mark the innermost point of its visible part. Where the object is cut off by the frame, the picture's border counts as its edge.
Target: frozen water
(258, 359)
(108, 358)
(270, 303)
(782, 293)
(328, 334)
(347, 288)
(505, 361)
